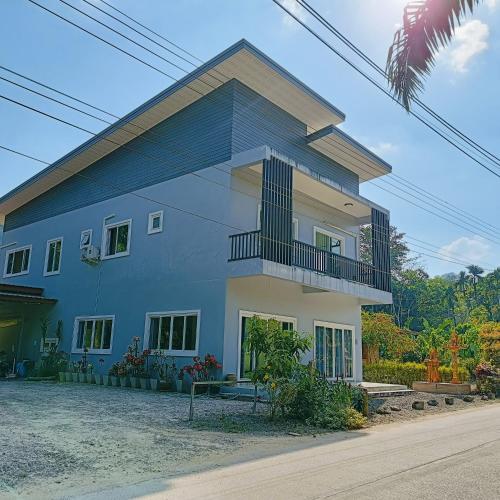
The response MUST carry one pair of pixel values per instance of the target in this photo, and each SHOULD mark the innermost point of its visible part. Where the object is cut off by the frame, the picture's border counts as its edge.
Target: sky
(463, 88)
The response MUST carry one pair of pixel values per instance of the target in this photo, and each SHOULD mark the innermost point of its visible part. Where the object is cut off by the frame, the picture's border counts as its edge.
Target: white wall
(273, 296)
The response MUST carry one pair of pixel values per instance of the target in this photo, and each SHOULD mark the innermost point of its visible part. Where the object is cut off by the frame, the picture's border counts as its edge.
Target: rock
(395, 408)
(432, 402)
(491, 395)
(294, 434)
(417, 405)
(383, 411)
(484, 397)
(449, 401)
(468, 399)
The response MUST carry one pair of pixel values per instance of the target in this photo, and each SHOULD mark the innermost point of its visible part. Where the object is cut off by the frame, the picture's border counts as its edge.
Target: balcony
(249, 246)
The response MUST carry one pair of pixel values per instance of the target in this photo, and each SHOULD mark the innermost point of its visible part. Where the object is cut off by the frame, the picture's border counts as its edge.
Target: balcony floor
(310, 280)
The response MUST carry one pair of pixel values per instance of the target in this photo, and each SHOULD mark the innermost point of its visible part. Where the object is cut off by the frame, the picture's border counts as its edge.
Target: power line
(149, 140)
(373, 82)
(324, 139)
(383, 73)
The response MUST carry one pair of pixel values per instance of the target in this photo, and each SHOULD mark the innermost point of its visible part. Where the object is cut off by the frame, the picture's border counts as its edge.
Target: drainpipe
(2, 222)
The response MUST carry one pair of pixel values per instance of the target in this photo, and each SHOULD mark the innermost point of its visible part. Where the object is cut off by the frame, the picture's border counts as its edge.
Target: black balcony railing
(248, 246)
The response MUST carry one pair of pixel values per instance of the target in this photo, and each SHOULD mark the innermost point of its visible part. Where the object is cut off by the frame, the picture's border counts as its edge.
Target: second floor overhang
(308, 183)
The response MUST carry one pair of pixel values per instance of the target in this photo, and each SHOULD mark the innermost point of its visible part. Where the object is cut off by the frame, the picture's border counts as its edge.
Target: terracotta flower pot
(154, 383)
(98, 378)
(68, 376)
(178, 385)
(124, 382)
(115, 381)
(62, 377)
(90, 378)
(106, 380)
(82, 378)
(144, 383)
(134, 382)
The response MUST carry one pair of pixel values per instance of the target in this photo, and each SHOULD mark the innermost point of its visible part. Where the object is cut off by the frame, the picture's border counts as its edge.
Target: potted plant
(75, 369)
(179, 383)
(98, 376)
(123, 374)
(114, 374)
(158, 371)
(90, 373)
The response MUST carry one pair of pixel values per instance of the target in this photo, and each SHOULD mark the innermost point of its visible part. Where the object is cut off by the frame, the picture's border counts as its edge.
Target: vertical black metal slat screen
(381, 250)
(276, 213)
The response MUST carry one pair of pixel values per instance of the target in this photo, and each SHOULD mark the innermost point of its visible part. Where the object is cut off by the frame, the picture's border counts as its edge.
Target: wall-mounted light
(348, 204)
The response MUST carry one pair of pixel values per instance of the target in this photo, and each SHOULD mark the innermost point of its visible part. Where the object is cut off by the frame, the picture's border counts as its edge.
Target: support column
(381, 250)
(276, 213)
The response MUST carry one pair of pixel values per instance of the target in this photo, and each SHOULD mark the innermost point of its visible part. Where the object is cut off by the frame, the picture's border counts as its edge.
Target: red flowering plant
(201, 370)
(137, 362)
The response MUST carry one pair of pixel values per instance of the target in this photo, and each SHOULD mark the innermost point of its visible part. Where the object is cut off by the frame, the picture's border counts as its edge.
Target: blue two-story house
(231, 193)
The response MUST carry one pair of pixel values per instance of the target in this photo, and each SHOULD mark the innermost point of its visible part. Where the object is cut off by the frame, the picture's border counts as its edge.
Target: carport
(21, 309)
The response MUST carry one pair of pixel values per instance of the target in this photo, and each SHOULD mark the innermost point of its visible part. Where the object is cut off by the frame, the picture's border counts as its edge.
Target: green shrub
(310, 398)
(393, 372)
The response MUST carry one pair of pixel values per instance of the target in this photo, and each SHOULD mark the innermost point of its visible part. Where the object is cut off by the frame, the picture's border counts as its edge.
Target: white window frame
(52, 273)
(339, 326)
(173, 352)
(105, 229)
(49, 341)
(250, 314)
(330, 234)
(295, 223)
(76, 350)
(90, 233)
(14, 250)
(151, 216)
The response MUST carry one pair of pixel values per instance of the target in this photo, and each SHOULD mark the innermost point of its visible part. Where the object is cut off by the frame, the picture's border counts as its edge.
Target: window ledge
(115, 256)
(92, 351)
(16, 274)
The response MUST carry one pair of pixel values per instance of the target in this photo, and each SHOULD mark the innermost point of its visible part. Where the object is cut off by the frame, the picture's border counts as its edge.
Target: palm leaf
(428, 25)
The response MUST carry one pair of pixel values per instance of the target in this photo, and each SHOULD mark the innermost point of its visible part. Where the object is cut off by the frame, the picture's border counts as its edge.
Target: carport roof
(23, 294)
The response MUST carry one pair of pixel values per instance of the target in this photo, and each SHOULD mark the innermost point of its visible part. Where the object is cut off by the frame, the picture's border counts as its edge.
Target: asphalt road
(455, 455)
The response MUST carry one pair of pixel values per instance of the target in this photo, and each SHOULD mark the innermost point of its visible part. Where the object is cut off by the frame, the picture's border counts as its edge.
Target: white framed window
(85, 238)
(53, 256)
(331, 242)
(295, 223)
(155, 222)
(116, 239)
(334, 349)
(175, 333)
(17, 261)
(50, 344)
(247, 361)
(94, 333)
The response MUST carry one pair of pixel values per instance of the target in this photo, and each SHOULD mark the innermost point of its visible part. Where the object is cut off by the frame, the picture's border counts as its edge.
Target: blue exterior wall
(185, 266)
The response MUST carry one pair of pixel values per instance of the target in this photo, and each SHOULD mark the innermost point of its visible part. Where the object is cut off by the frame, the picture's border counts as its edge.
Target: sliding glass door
(334, 349)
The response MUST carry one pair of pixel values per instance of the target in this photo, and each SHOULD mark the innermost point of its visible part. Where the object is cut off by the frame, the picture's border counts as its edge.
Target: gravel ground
(406, 412)
(70, 437)
(59, 440)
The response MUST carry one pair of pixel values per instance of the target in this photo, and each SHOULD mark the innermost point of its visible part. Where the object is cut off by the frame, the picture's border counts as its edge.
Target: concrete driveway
(447, 456)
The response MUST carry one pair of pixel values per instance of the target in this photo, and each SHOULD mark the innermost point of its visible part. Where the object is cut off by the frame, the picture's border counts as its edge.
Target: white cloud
(469, 41)
(491, 4)
(296, 10)
(383, 148)
(468, 249)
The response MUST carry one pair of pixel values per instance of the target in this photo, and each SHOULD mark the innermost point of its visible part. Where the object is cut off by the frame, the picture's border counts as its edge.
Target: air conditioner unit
(90, 254)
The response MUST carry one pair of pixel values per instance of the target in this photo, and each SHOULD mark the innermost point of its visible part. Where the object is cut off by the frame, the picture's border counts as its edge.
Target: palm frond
(428, 25)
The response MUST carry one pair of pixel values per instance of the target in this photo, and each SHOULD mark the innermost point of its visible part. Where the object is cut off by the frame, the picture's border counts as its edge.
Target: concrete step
(389, 394)
(380, 387)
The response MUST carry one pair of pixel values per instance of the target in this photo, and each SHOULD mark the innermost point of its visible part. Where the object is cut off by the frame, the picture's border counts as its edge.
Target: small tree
(278, 353)
(382, 336)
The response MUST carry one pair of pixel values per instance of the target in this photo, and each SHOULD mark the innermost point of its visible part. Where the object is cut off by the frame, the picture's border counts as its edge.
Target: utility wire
(383, 180)
(79, 174)
(383, 73)
(382, 188)
(149, 140)
(376, 84)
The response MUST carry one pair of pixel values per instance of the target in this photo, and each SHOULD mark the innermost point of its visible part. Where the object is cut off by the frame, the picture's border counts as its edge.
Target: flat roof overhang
(343, 149)
(23, 294)
(242, 61)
